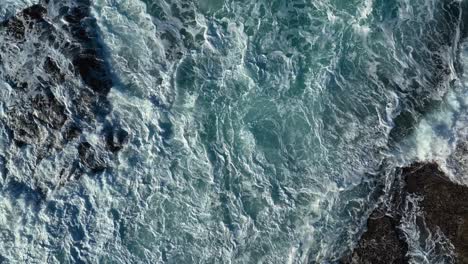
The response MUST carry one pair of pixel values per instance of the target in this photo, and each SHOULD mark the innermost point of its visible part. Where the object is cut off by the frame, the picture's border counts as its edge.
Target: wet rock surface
(55, 81)
(381, 243)
(444, 207)
(445, 204)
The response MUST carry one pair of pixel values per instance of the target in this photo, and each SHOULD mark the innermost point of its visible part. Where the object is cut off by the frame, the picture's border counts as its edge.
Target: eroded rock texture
(443, 206)
(55, 80)
(382, 243)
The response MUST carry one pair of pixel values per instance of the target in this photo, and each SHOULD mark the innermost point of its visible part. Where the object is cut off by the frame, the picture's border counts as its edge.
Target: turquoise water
(260, 131)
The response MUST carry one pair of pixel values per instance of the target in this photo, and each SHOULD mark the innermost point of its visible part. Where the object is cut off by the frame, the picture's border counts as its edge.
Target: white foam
(439, 134)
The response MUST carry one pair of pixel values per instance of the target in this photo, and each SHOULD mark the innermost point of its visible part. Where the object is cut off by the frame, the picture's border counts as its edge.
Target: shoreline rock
(56, 78)
(443, 207)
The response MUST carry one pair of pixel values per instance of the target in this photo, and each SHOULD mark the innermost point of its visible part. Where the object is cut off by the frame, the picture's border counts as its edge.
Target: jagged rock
(116, 139)
(91, 158)
(444, 206)
(59, 77)
(382, 243)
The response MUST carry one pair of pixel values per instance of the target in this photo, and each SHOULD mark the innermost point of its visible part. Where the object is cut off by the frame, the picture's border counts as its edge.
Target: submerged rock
(444, 208)
(56, 79)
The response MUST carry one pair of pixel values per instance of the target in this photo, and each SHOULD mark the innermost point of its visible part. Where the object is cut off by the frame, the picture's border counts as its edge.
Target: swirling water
(260, 131)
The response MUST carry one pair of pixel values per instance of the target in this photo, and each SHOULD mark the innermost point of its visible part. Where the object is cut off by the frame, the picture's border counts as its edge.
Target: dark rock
(35, 12)
(381, 243)
(47, 109)
(444, 206)
(15, 28)
(3, 168)
(116, 139)
(88, 61)
(93, 72)
(60, 86)
(51, 67)
(91, 158)
(72, 132)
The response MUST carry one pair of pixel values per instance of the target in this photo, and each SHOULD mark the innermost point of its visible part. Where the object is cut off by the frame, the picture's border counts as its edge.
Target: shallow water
(260, 131)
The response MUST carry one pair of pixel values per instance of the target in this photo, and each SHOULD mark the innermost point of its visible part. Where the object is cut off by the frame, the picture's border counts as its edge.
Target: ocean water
(259, 131)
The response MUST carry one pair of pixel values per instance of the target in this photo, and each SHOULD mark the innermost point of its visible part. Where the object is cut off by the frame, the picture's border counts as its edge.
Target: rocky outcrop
(381, 243)
(57, 80)
(444, 204)
(444, 207)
